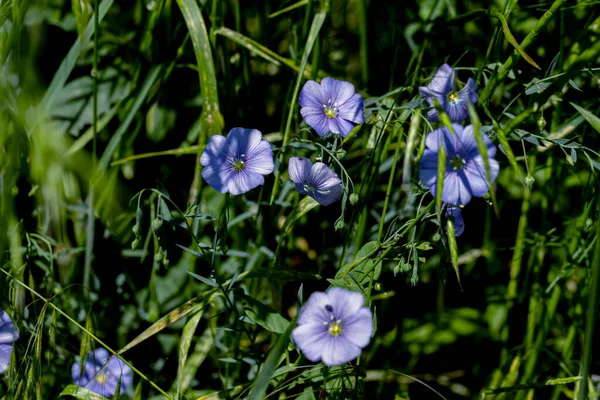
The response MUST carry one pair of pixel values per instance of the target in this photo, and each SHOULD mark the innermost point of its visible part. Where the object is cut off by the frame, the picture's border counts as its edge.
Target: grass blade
(186, 339)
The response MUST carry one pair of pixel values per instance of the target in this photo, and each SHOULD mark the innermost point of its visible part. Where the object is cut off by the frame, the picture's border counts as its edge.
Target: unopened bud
(436, 237)
(134, 244)
(340, 224)
(541, 123)
(406, 267)
(157, 223)
(529, 181)
(353, 198)
(378, 286)
(135, 229)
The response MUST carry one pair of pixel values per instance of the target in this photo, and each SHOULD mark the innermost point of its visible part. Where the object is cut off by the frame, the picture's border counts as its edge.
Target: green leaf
(589, 117)
(270, 365)
(453, 248)
(264, 316)
(186, 339)
(441, 173)
(66, 66)
(183, 310)
(81, 393)
(356, 274)
(511, 39)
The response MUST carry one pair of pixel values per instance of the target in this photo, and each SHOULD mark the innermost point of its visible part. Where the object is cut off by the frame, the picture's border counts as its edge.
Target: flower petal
(259, 159)
(5, 352)
(314, 311)
(243, 141)
(338, 350)
(327, 184)
(99, 356)
(340, 126)
(469, 92)
(8, 331)
(475, 174)
(311, 95)
(456, 189)
(358, 327)
(442, 83)
(216, 176)
(316, 119)
(458, 111)
(119, 370)
(428, 168)
(299, 170)
(443, 135)
(310, 339)
(345, 302)
(459, 223)
(470, 149)
(214, 150)
(352, 109)
(243, 181)
(337, 91)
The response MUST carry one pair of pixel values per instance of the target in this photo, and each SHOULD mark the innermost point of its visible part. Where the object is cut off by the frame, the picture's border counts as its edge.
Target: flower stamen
(238, 165)
(335, 329)
(453, 97)
(457, 163)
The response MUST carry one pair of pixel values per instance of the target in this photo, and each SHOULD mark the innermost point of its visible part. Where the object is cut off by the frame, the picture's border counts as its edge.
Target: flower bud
(158, 256)
(135, 229)
(570, 160)
(541, 123)
(378, 286)
(436, 237)
(134, 244)
(157, 223)
(529, 181)
(406, 267)
(340, 224)
(353, 198)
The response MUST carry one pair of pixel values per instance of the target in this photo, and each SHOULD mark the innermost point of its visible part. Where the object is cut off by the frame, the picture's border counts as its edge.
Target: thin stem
(397, 130)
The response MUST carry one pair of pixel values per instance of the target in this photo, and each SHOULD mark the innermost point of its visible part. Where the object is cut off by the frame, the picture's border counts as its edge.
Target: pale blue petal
(214, 151)
(474, 171)
(8, 331)
(345, 302)
(5, 352)
(243, 181)
(316, 119)
(337, 351)
(314, 312)
(357, 328)
(340, 126)
(456, 190)
(443, 82)
(352, 110)
(311, 95)
(310, 340)
(259, 158)
(469, 92)
(458, 111)
(459, 223)
(216, 176)
(337, 91)
(299, 170)
(327, 184)
(428, 168)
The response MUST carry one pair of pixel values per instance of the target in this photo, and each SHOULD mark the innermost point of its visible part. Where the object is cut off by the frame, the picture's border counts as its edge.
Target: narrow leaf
(186, 339)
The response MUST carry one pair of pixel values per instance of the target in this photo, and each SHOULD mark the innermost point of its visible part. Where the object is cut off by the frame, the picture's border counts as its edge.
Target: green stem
(397, 131)
(364, 44)
(594, 291)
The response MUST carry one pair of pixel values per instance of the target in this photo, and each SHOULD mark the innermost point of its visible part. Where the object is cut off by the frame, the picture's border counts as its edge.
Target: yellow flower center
(238, 163)
(101, 377)
(330, 112)
(335, 328)
(453, 97)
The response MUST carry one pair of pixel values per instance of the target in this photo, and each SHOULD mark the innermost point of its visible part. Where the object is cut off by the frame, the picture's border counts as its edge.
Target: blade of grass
(299, 4)
(186, 339)
(211, 115)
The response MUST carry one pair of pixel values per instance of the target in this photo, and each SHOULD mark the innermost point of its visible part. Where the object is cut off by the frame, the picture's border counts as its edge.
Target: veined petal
(5, 352)
(450, 140)
(340, 126)
(214, 150)
(311, 95)
(475, 174)
(470, 144)
(459, 223)
(243, 181)
(337, 91)
(426, 94)
(345, 303)
(260, 159)
(469, 92)
(352, 109)
(428, 168)
(443, 82)
(338, 350)
(455, 191)
(458, 111)
(310, 339)
(119, 370)
(217, 176)
(316, 119)
(243, 141)
(358, 327)
(432, 115)
(8, 331)
(326, 183)
(314, 312)
(299, 170)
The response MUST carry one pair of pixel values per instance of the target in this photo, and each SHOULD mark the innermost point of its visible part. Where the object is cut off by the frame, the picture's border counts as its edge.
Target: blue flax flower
(236, 164)
(465, 171)
(333, 327)
(8, 335)
(333, 106)
(454, 103)
(101, 373)
(316, 180)
(459, 224)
